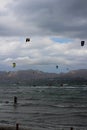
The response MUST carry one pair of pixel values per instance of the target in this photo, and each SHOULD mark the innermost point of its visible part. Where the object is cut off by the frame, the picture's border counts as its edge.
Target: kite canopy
(14, 65)
(27, 39)
(57, 66)
(82, 43)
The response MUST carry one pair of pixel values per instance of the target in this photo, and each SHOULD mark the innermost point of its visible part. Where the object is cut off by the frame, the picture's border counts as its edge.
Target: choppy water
(44, 108)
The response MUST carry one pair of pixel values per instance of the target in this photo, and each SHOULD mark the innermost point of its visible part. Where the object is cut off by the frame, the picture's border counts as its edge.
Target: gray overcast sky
(55, 27)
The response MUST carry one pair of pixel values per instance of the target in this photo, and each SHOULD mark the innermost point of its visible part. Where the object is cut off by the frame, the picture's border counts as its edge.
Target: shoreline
(12, 127)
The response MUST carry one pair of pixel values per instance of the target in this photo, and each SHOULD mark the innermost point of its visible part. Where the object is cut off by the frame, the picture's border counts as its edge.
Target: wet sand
(5, 127)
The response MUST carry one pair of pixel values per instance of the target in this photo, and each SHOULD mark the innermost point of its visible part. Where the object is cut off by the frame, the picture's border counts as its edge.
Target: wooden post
(71, 128)
(17, 126)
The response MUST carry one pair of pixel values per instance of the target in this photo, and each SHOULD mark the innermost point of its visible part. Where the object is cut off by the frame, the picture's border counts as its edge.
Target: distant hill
(82, 73)
(31, 74)
(36, 76)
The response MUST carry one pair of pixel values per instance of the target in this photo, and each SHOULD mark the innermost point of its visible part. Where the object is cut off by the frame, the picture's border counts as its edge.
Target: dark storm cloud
(52, 17)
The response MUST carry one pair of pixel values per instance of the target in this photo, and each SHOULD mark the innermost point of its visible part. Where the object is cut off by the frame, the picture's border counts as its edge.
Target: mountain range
(34, 76)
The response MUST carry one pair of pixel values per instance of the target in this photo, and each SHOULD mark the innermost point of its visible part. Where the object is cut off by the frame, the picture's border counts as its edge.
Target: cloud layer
(42, 21)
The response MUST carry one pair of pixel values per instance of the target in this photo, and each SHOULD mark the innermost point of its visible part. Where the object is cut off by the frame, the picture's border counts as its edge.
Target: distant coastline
(39, 78)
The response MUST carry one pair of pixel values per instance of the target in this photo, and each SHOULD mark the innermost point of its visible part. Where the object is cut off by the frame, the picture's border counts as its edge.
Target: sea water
(44, 107)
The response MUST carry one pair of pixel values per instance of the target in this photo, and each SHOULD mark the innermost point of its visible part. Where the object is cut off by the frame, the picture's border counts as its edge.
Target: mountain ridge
(73, 73)
(36, 77)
